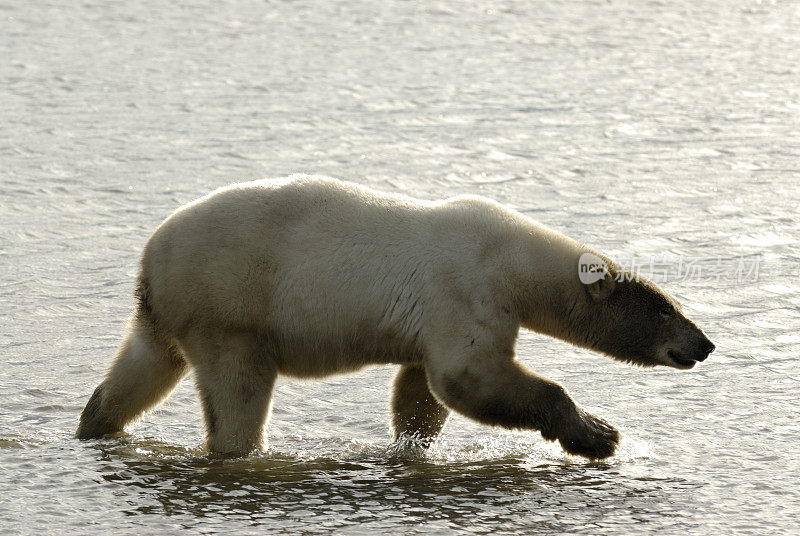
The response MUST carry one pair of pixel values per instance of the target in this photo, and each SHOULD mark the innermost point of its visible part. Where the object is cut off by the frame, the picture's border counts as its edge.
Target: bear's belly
(313, 355)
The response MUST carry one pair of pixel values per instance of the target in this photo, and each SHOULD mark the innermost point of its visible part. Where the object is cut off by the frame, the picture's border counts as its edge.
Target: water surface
(642, 128)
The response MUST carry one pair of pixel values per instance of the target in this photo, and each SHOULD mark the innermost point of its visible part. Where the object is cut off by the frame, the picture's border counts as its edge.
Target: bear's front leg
(496, 390)
(415, 412)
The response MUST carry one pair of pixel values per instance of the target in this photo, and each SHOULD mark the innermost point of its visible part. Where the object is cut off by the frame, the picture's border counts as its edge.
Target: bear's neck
(554, 302)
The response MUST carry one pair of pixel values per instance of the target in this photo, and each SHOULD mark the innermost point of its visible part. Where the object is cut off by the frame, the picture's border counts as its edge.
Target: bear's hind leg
(235, 379)
(144, 372)
(415, 412)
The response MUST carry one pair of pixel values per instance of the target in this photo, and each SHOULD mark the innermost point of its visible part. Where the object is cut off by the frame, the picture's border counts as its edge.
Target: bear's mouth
(679, 360)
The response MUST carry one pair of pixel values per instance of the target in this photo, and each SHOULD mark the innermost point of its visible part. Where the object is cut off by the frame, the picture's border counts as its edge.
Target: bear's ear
(603, 287)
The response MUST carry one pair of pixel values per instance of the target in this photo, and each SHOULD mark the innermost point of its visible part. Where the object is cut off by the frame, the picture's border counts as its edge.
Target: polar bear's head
(633, 320)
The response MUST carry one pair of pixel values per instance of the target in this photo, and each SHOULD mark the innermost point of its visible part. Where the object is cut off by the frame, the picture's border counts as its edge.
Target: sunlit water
(642, 128)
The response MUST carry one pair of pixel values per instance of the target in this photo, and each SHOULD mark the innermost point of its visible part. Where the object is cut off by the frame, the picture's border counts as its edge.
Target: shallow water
(651, 130)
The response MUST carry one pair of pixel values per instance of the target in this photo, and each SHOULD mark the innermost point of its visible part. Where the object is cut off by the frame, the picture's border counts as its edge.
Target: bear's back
(319, 252)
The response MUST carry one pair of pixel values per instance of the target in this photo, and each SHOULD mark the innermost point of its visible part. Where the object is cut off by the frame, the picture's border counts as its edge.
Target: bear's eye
(667, 313)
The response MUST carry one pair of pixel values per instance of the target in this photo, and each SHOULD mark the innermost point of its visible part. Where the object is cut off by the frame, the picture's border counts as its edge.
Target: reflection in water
(377, 490)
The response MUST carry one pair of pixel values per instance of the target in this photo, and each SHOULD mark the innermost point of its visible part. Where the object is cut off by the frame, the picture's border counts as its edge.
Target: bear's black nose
(707, 346)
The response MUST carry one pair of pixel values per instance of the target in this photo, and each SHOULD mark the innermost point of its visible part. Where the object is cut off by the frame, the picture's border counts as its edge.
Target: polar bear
(312, 276)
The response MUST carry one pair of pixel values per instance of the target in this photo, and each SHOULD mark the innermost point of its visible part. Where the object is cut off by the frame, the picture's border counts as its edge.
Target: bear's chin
(675, 360)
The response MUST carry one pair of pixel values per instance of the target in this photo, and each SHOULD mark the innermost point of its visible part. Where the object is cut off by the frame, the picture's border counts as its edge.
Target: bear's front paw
(590, 437)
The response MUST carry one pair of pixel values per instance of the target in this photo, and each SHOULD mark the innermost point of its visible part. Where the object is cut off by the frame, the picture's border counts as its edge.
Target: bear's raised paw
(590, 437)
